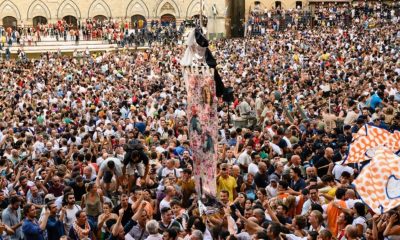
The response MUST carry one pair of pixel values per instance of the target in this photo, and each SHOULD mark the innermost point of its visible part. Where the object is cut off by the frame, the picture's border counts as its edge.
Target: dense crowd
(112, 31)
(329, 15)
(97, 147)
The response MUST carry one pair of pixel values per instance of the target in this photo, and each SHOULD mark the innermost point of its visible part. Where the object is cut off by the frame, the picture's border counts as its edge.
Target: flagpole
(201, 14)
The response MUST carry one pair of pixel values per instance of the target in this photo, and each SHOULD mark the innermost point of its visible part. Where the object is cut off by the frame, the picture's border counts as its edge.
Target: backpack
(131, 148)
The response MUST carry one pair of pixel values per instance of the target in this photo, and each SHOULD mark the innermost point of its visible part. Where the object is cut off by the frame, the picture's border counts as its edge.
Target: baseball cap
(274, 178)
(49, 197)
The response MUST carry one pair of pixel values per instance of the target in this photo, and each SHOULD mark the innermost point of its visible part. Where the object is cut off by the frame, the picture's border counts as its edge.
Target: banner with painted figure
(203, 126)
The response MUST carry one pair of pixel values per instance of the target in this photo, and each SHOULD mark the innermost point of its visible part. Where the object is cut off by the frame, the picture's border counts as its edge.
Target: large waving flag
(203, 127)
(368, 138)
(378, 182)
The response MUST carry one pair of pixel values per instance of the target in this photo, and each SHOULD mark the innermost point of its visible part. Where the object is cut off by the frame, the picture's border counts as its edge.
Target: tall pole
(201, 14)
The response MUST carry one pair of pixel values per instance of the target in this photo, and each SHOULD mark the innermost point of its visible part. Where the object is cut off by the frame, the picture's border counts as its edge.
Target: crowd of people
(112, 31)
(330, 14)
(97, 147)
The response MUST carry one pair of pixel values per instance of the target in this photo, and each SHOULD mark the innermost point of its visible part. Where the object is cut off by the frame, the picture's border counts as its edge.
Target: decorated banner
(378, 183)
(203, 126)
(367, 139)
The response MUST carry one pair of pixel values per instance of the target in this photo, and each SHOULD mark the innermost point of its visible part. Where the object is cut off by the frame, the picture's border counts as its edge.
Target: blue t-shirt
(375, 101)
(299, 185)
(55, 228)
(31, 230)
(141, 126)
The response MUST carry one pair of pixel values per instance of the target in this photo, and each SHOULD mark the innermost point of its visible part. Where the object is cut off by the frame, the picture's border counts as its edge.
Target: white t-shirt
(244, 159)
(271, 192)
(339, 169)
(118, 166)
(362, 221)
(164, 203)
(253, 168)
(350, 202)
(165, 172)
(70, 217)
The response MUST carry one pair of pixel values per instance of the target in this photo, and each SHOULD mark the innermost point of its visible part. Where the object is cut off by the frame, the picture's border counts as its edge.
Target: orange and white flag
(370, 137)
(378, 182)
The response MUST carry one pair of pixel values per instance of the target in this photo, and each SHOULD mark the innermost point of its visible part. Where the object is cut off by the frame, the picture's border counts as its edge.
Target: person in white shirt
(244, 158)
(316, 219)
(338, 169)
(71, 210)
(360, 222)
(108, 168)
(351, 198)
(272, 188)
(352, 116)
(253, 166)
(170, 169)
(314, 198)
(170, 194)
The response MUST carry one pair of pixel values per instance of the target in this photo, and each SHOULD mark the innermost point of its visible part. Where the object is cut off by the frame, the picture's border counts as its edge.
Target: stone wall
(24, 11)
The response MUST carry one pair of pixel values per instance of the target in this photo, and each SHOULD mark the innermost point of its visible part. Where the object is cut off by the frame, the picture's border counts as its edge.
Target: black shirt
(4, 204)
(261, 180)
(322, 166)
(79, 191)
(128, 213)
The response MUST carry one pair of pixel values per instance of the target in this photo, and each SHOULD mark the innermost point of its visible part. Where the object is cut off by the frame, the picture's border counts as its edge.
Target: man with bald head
(235, 173)
(295, 161)
(324, 163)
(351, 198)
(311, 172)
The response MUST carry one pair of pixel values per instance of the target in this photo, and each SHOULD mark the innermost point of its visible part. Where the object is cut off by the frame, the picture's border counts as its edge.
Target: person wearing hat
(272, 188)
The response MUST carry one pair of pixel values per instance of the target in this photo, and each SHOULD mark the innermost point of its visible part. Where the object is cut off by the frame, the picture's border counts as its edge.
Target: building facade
(224, 17)
(32, 12)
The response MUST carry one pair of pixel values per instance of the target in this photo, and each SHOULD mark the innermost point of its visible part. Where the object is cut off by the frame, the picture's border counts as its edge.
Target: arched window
(9, 22)
(138, 21)
(71, 20)
(278, 4)
(39, 20)
(167, 19)
(100, 18)
(299, 4)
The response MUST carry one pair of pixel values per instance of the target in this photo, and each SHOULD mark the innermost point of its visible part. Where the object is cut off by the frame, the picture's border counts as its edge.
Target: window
(278, 4)
(299, 4)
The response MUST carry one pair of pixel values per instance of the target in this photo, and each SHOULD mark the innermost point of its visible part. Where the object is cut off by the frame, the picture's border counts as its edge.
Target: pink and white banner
(203, 126)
